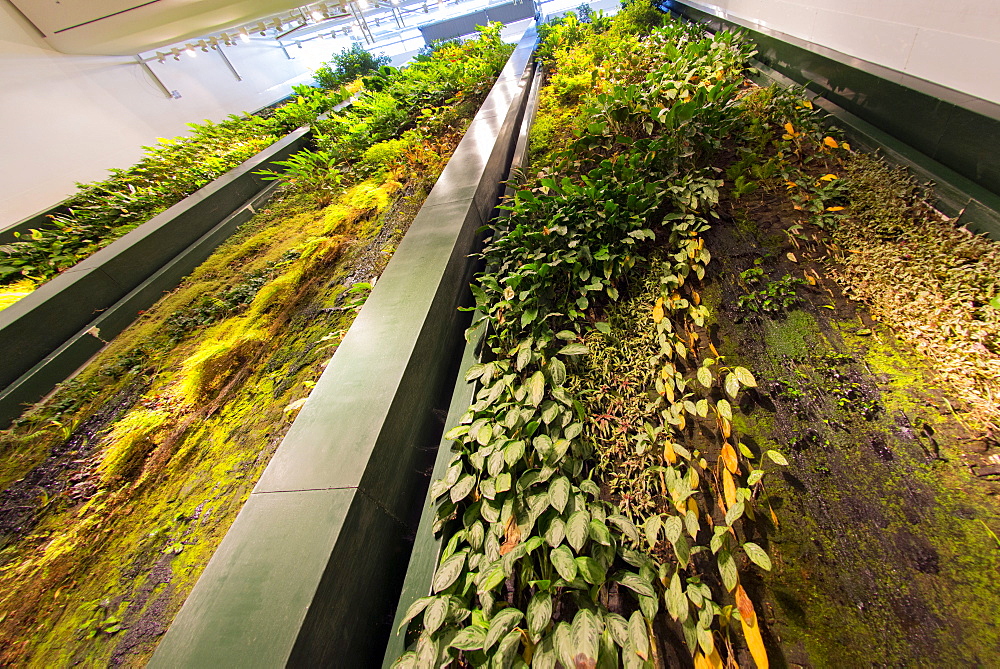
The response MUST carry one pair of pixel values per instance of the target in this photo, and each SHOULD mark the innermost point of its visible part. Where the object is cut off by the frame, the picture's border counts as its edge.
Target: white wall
(67, 119)
(954, 43)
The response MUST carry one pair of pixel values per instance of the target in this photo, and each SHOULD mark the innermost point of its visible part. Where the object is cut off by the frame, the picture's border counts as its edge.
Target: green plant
(312, 171)
(768, 297)
(352, 62)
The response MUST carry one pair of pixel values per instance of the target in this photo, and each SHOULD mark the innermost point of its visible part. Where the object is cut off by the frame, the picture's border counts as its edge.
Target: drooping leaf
(778, 458)
(502, 623)
(470, 638)
(677, 603)
(757, 555)
(727, 569)
(745, 377)
(448, 572)
(539, 613)
(559, 493)
(435, 614)
(636, 583)
(638, 635)
(586, 634)
(562, 560)
(536, 388)
(577, 528)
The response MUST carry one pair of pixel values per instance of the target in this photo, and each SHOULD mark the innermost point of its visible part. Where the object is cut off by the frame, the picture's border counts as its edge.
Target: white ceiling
(126, 27)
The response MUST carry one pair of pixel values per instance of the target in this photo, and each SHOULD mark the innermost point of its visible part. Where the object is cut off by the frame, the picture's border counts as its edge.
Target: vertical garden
(117, 489)
(732, 376)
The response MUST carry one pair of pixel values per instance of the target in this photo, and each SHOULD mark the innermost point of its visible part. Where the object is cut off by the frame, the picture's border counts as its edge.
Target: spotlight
(244, 35)
(190, 50)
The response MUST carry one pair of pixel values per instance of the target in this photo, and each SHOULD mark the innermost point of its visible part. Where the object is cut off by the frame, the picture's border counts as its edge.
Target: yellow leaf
(835, 208)
(845, 146)
(751, 632)
(790, 129)
(809, 278)
(727, 428)
(658, 310)
(743, 603)
(669, 453)
(729, 457)
(791, 256)
(828, 177)
(701, 662)
(714, 661)
(693, 505)
(830, 141)
(774, 516)
(828, 306)
(790, 185)
(807, 104)
(729, 488)
(681, 420)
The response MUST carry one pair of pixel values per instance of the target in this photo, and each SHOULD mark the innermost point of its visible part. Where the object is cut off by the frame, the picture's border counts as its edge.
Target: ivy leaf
(576, 529)
(470, 638)
(559, 493)
(502, 623)
(757, 555)
(448, 572)
(536, 388)
(539, 613)
(562, 560)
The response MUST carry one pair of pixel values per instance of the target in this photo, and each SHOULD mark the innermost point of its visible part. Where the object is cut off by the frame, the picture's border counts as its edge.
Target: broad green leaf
(734, 513)
(618, 627)
(673, 527)
(557, 371)
(414, 609)
(536, 388)
(457, 432)
(513, 452)
(448, 572)
(591, 570)
(725, 409)
(559, 493)
(506, 650)
(470, 638)
(485, 434)
(638, 635)
(745, 377)
(705, 377)
(586, 633)
(757, 555)
(502, 623)
(778, 458)
(492, 579)
(435, 614)
(755, 476)
(627, 527)
(555, 532)
(545, 655)
(636, 583)
(599, 532)
(732, 384)
(727, 569)
(539, 613)
(576, 348)
(462, 488)
(562, 560)
(677, 603)
(563, 644)
(682, 550)
(577, 528)
(702, 407)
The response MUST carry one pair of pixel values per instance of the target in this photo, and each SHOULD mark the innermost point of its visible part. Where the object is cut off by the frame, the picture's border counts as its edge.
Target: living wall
(609, 500)
(117, 489)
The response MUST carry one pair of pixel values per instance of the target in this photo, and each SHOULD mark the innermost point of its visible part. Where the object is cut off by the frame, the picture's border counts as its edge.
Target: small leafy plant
(768, 297)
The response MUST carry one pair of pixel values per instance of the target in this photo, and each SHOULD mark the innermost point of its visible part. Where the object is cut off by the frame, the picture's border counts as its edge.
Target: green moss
(130, 441)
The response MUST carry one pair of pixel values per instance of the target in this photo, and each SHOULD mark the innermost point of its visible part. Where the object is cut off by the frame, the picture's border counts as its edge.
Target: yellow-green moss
(130, 441)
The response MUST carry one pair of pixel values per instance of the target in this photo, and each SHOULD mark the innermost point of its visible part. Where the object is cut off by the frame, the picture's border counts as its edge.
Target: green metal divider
(310, 572)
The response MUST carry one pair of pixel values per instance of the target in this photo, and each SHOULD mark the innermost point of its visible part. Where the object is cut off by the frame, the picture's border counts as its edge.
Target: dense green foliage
(126, 479)
(348, 65)
(535, 549)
